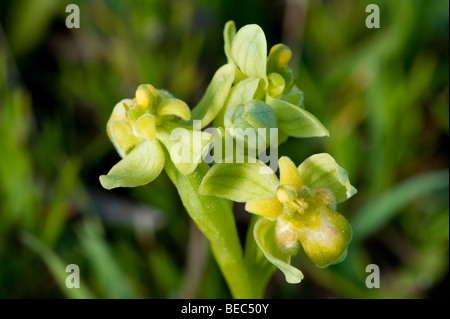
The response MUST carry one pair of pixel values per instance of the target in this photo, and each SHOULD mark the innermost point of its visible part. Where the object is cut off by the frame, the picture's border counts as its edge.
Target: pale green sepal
(141, 166)
(249, 50)
(240, 182)
(264, 233)
(186, 147)
(321, 171)
(296, 121)
(215, 96)
(229, 32)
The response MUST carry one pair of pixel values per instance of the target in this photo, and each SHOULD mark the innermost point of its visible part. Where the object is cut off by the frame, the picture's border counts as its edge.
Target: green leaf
(141, 166)
(322, 171)
(249, 50)
(215, 96)
(296, 121)
(229, 32)
(186, 147)
(240, 182)
(264, 233)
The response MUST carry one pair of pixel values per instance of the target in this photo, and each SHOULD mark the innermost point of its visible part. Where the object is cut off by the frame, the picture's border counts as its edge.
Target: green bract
(138, 127)
(296, 210)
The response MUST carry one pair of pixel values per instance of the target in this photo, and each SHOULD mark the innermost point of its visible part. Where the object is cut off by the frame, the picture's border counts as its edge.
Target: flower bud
(146, 97)
(253, 115)
(276, 84)
(279, 56)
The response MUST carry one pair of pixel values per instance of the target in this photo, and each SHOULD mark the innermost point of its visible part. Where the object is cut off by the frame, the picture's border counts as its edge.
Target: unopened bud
(146, 96)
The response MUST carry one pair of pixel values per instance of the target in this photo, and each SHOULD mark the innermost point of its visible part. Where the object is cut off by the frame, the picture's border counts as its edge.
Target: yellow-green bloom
(139, 128)
(297, 210)
(303, 215)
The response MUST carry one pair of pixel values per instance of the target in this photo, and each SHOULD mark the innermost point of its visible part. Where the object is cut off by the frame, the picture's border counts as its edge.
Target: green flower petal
(321, 171)
(240, 182)
(264, 233)
(249, 51)
(186, 147)
(296, 121)
(141, 166)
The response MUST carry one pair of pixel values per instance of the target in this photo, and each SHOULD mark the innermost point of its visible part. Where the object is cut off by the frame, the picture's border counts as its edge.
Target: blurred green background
(382, 93)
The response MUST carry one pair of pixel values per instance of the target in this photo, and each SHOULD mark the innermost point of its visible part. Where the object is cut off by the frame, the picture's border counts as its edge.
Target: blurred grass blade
(29, 21)
(376, 213)
(111, 278)
(59, 207)
(56, 266)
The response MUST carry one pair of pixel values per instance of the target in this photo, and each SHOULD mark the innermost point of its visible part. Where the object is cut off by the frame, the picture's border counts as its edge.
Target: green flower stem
(214, 217)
